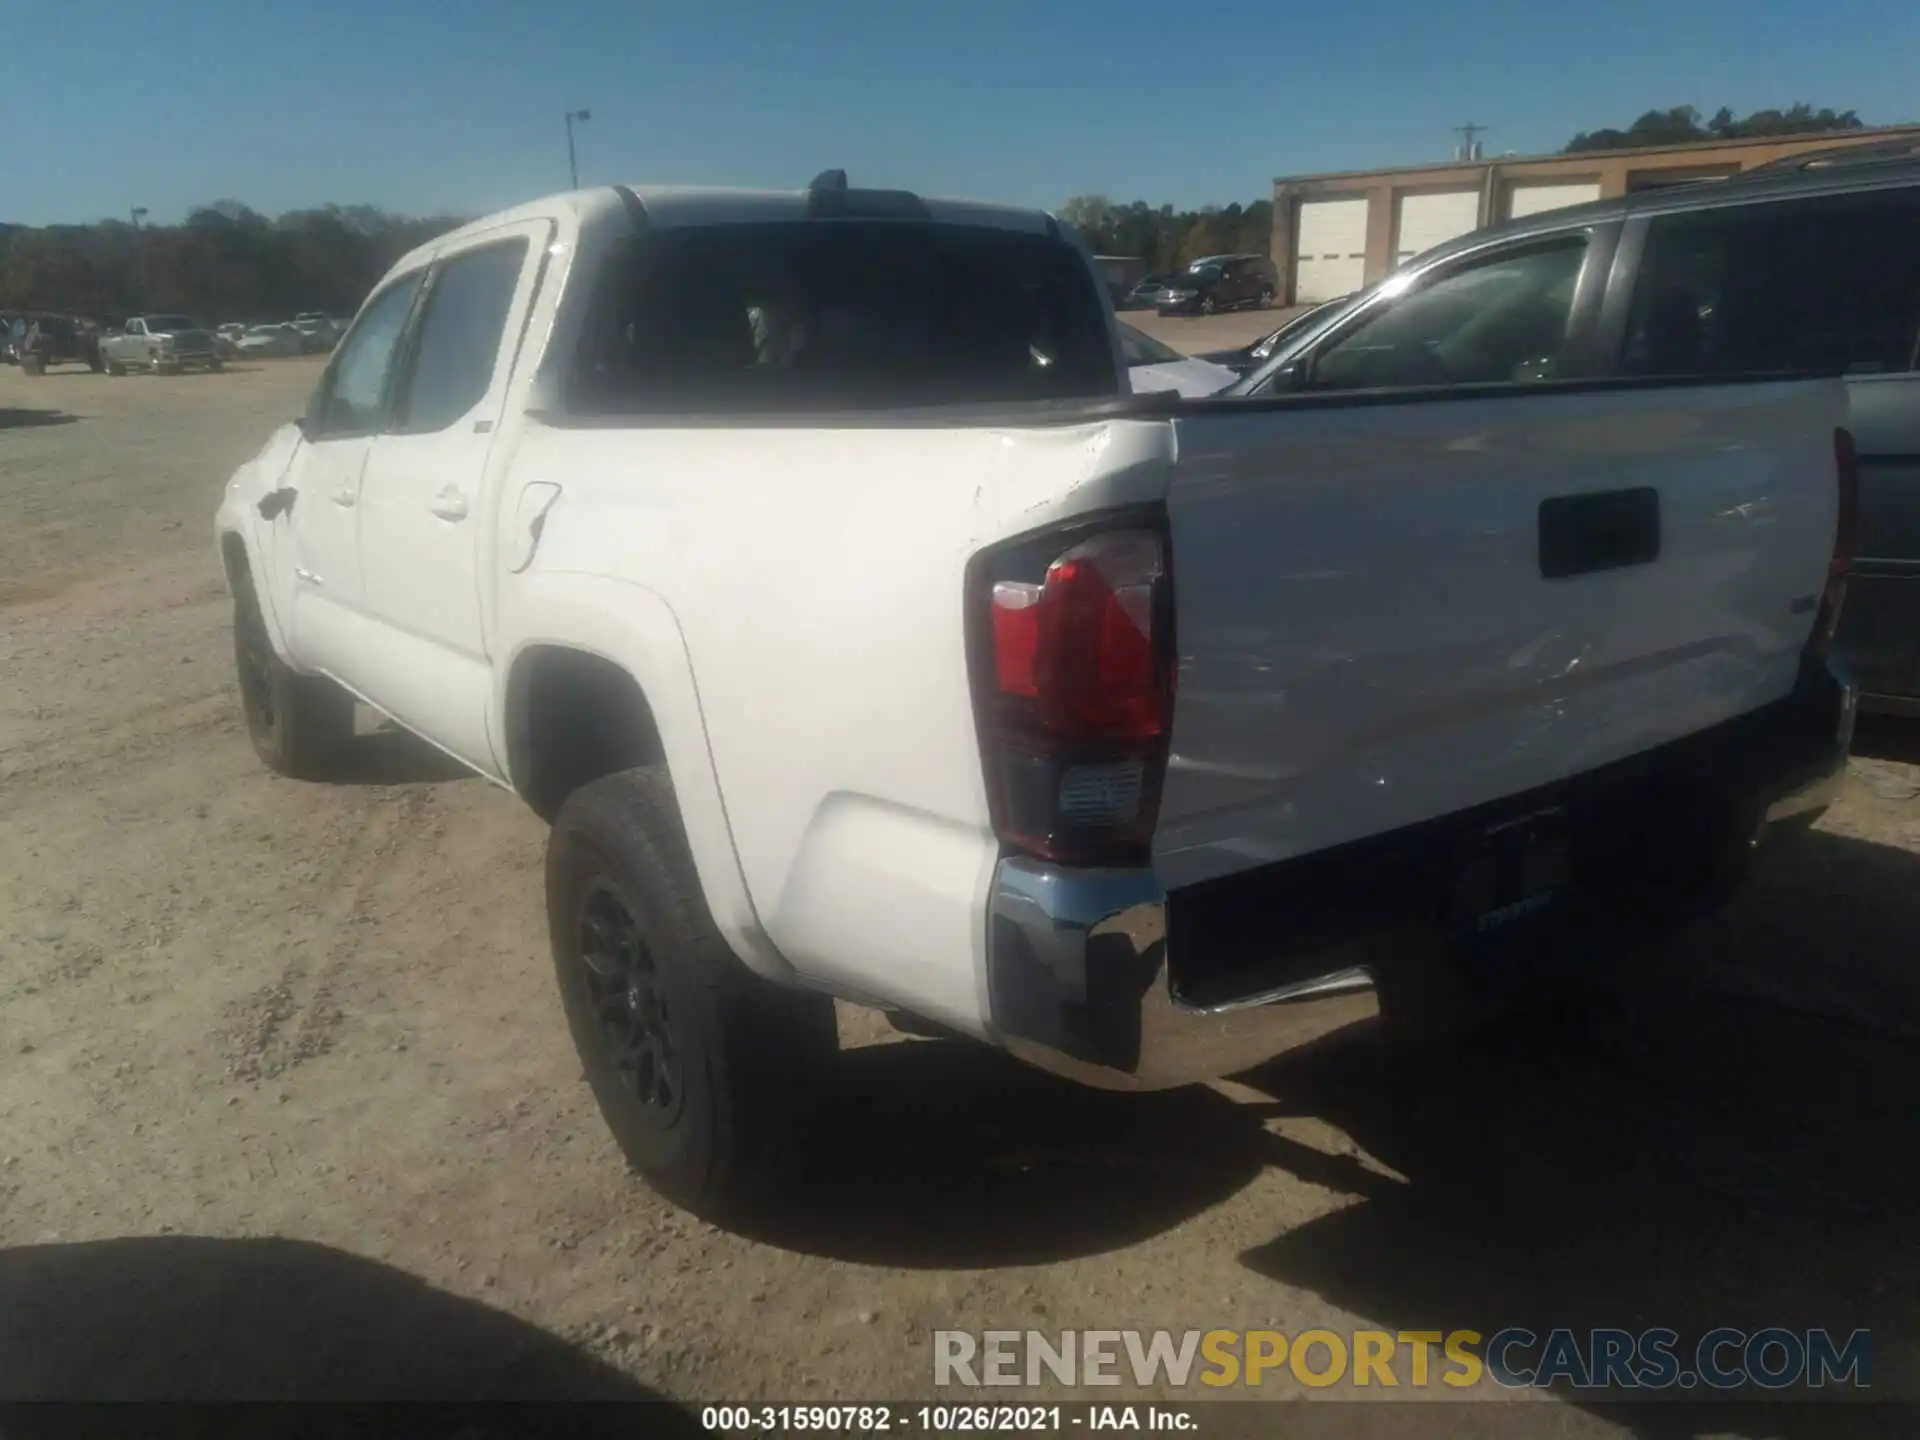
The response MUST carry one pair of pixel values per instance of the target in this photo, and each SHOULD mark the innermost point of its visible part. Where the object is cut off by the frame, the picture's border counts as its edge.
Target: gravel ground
(1196, 334)
(287, 1104)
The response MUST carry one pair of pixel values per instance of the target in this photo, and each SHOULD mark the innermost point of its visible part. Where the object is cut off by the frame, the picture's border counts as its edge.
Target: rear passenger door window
(1829, 285)
(1494, 319)
(460, 336)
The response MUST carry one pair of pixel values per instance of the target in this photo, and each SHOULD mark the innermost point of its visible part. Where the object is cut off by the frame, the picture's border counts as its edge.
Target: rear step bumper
(1080, 980)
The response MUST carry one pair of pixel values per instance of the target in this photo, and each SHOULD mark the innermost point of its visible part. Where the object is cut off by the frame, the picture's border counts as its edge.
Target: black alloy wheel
(632, 1013)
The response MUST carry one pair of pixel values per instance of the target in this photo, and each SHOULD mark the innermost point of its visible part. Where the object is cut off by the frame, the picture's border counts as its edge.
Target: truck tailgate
(1389, 610)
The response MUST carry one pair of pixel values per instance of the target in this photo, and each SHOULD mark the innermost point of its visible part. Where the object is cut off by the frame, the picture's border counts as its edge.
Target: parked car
(1153, 367)
(7, 317)
(317, 333)
(163, 344)
(1807, 267)
(1248, 357)
(1145, 294)
(227, 338)
(1220, 282)
(41, 340)
(272, 342)
(1391, 780)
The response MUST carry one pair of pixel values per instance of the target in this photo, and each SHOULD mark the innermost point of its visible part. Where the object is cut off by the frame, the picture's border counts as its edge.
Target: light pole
(140, 244)
(573, 166)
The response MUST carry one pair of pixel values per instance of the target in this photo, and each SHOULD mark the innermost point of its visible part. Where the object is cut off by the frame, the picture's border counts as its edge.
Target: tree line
(1682, 125)
(225, 262)
(1167, 238)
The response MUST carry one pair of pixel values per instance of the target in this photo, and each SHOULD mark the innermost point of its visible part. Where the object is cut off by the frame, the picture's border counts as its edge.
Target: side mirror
(1289, 377)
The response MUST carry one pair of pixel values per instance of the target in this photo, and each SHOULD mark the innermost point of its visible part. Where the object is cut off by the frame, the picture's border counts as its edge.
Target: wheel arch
(241, 569)
(603, 682)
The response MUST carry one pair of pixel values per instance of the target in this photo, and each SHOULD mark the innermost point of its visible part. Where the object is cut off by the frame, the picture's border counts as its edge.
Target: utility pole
(140, 243)
(1467, 132)
(573, 166)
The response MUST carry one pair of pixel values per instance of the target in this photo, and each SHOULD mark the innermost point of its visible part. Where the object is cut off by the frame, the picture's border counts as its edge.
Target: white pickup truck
(804, 559)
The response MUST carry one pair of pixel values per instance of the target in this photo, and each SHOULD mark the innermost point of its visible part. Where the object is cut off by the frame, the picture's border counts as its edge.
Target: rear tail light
(1846, 465)
(1073, 662)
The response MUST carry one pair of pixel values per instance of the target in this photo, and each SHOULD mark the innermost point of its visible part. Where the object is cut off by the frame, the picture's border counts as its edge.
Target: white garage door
(1433, 219)
(1533, 199)
(1330, 256)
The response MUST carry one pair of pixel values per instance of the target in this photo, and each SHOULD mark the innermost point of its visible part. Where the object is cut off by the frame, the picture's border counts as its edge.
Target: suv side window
(353, 393)
(1827, 285)
(461, 326)
(1496, 319)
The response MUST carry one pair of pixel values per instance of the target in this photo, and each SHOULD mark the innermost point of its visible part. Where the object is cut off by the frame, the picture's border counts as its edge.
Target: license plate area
(1517, 870)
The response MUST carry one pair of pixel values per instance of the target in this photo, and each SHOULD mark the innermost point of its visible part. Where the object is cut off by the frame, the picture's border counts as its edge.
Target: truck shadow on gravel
(1676, 1156)
(936, 1154)
(207, 1320)
(1707, 1125)
(33, 419)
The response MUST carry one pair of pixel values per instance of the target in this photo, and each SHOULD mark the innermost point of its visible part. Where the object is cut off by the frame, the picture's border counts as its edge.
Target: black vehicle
(1220, 282)
(1807, 266)
(1146, 292)
(1248, 357)
(37, 341)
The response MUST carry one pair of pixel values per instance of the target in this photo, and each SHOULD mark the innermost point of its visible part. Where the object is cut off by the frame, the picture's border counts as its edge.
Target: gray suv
(1808, 265)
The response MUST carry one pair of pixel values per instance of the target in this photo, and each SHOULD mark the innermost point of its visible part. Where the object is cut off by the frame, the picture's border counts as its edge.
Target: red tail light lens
(1081, 642)
(1075, 690)
(1846, 465)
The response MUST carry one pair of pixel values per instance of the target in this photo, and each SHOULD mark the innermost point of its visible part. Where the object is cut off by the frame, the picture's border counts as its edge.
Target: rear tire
(214, 367)
(697, 1064)
(1207, 306)
(298, 723)
(33, 365)
(1266, 297)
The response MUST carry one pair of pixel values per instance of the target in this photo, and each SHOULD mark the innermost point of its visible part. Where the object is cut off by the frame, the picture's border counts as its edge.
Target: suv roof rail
(1877, 152)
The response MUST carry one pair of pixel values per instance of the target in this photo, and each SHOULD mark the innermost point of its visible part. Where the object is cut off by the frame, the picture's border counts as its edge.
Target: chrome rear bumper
(1077, 978)
(1077, 960)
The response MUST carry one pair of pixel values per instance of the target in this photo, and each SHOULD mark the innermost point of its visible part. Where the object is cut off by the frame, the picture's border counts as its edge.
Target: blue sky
(457, 105)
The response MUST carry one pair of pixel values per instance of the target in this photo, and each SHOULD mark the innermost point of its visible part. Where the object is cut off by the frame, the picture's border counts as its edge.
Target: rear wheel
(697, 1064)
(1207, 306)
(298, 723)
(1266, 297)
(33, 365)
(215, 365)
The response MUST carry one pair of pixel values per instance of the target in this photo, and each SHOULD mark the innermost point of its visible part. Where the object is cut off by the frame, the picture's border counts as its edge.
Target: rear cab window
(842, 314)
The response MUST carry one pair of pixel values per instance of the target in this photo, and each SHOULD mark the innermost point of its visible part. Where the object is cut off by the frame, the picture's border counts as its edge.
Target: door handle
(449, 504)
(345, 495)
